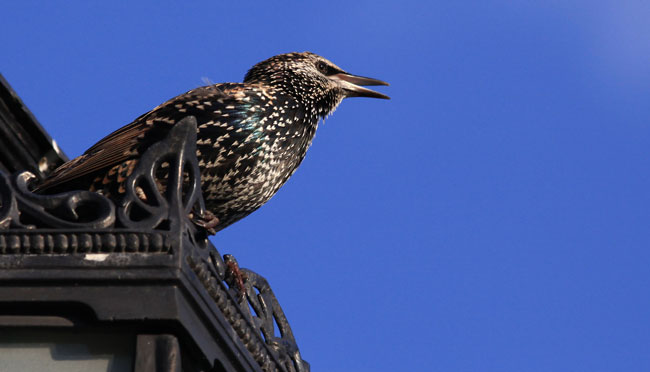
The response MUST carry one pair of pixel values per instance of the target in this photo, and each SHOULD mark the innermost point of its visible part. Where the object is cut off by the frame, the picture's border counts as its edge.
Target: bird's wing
(129, 141)
(113, 149)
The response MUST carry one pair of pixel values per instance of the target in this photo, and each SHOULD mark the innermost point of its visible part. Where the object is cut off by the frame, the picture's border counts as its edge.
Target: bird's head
(312, 80)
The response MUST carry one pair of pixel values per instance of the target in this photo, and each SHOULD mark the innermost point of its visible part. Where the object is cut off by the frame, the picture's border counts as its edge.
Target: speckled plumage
(251, 136)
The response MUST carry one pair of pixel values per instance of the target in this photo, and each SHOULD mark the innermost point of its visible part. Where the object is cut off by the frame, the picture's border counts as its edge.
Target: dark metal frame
(24, 144)
(77, 259)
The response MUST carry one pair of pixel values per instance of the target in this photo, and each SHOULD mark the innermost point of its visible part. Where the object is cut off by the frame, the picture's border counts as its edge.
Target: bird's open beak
(352, 85)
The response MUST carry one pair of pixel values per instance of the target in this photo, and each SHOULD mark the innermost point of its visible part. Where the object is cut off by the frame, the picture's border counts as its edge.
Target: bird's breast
(244, 166)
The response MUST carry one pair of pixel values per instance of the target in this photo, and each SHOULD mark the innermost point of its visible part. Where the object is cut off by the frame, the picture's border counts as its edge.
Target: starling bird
(251, 136)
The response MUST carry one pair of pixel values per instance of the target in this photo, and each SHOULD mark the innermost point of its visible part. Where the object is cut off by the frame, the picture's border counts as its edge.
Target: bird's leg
(234, 275)
(205, 219)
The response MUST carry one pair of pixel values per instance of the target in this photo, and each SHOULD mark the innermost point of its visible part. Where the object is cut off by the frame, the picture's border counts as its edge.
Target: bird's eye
(322, 67)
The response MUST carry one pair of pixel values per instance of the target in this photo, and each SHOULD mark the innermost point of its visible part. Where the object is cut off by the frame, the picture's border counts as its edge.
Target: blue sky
(492, 216)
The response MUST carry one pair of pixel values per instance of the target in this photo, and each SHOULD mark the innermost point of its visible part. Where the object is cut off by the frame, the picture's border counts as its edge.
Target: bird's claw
(234, 275)
(206, 220)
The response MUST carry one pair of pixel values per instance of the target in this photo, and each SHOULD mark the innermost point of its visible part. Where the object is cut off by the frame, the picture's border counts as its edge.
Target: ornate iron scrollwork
(267, 313)
(21, 208)
(171, 166)
(236, 304)
(142, 207)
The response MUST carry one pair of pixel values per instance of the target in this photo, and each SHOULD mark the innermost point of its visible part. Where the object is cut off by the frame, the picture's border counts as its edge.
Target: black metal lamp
(88, 285)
